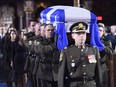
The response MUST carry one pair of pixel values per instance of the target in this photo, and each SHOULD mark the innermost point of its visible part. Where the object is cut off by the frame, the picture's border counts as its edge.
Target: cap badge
(80, 25)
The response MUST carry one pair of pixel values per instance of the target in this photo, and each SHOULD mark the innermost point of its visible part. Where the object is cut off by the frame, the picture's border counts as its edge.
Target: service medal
(92, 59)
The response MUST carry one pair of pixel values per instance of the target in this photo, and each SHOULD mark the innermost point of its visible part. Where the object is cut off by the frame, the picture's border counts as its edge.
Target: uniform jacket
(48, 64)
(107, 50)
(105, 53)
(76, 64)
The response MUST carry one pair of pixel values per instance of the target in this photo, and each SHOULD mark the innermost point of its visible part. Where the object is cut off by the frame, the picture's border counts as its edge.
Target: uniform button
(73, 60)
(84, 73)
(84, 65)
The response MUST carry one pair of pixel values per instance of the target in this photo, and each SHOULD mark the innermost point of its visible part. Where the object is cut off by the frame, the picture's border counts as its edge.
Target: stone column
(77, 3)
(21, 22)
(28, 8)
(28, 18)
(20, 13)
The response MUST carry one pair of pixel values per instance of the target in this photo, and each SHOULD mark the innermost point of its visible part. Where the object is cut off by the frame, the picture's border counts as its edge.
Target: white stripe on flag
(49, 13)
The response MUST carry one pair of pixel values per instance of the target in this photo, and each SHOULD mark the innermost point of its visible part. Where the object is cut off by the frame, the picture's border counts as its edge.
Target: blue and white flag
(56, 17)
(94, 33)
(62, 17)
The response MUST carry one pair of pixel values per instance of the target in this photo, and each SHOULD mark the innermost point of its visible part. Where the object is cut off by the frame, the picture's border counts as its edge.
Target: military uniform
(46, 66)
(30, 60)
(107, 50)
(105, 53)
(79, 68)
(79, 63)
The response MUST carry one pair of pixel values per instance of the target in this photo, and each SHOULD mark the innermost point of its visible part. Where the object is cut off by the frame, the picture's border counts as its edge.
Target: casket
(66, 14)
(62, 17)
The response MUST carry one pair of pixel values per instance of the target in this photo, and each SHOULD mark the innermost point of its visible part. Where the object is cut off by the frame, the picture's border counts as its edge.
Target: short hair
(101, 25)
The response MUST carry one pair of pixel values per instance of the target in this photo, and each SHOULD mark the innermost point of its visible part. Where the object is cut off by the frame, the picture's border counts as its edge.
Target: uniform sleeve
(108, 47)
(98, 71)
(62, 67)
(39, 47)
(106, 51)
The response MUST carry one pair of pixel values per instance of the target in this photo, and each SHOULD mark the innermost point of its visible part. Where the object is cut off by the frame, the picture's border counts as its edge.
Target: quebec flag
(62, 17)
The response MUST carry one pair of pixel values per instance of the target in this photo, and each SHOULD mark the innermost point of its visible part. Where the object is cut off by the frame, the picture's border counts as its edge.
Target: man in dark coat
(79, 63)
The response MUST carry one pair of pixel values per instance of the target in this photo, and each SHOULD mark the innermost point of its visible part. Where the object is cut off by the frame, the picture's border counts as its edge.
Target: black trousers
(104, 71)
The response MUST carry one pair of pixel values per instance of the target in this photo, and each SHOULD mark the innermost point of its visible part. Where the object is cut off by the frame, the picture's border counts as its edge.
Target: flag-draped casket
(62, 17)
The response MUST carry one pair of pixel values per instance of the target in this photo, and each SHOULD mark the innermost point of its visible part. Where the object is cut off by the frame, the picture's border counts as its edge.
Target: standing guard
(79, 64)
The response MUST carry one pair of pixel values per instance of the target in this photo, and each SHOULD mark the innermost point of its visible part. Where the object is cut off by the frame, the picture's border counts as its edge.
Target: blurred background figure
(31, 27)
(107, 51)
(112, 36)
(19, 60)
(42, 30)
(3, 30)
(37, 29)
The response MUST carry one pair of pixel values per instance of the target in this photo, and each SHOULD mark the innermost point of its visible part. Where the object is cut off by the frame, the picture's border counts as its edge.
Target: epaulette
(90, 45)
(66, 47)
(70, 47)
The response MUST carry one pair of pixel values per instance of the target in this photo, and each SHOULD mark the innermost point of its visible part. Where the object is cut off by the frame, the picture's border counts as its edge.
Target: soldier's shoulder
(106, 40)
(90, 46)
(40, 39)
(70, 47)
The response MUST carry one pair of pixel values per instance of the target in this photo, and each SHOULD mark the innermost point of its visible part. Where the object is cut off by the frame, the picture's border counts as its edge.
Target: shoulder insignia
(37, 43)
(30, 42)
(90, 45)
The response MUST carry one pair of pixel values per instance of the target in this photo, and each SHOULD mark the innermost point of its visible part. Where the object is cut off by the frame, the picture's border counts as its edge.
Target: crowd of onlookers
(13, 51)
(13, 54)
